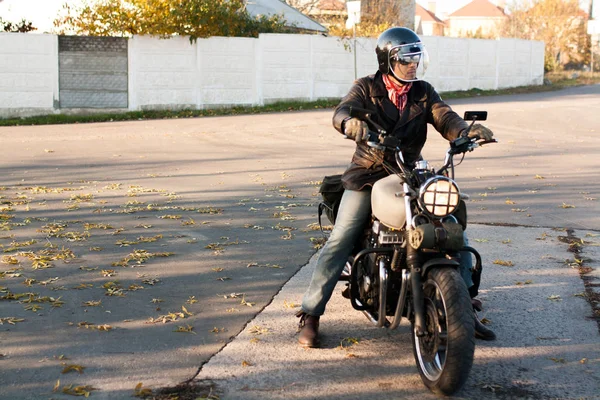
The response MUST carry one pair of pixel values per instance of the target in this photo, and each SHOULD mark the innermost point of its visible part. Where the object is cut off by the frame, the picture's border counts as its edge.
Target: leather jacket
(424, 105)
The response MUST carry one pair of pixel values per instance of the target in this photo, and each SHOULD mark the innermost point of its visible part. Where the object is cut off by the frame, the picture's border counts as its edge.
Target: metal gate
(92, 72)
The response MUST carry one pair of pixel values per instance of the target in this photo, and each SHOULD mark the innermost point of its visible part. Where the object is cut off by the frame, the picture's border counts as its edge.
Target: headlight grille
(439, 196)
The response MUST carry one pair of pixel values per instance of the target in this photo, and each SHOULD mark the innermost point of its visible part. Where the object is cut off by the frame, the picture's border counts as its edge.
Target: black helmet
(401, 46)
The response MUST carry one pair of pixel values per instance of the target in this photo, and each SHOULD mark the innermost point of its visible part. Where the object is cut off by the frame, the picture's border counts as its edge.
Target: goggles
(407, 54)
(407, 58)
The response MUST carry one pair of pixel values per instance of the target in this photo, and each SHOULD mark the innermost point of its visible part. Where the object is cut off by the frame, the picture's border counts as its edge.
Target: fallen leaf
(492, 387)
(504, 263)
(185, 311)
(186, 329)
(72, 367)
(92, 303)
(142, 392)
(10, 320)
(257, 330)
(348, 342)
(289, 305)
(247, 303)
(78, 390)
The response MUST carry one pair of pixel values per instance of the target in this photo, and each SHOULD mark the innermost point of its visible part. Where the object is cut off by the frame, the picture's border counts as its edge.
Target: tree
(559, 23)
(23, 26)
(193, 18)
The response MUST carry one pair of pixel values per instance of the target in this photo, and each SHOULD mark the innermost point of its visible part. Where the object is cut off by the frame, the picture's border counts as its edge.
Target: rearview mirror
(475, 115)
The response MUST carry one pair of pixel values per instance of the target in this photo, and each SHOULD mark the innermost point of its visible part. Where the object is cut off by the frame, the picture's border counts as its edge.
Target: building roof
(479, 8)
(331, 5)
(292, 16)
(426, 15)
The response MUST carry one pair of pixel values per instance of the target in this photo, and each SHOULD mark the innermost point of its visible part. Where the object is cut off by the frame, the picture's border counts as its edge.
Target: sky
(43, 12)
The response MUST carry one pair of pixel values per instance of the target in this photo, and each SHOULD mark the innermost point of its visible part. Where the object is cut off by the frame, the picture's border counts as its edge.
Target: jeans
(354, 210)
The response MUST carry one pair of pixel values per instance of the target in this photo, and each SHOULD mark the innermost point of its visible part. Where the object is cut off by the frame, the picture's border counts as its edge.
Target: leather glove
(356, 129)
(481, 132)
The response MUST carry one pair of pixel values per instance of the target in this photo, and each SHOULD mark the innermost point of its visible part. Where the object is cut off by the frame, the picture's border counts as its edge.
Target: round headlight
(439, 196)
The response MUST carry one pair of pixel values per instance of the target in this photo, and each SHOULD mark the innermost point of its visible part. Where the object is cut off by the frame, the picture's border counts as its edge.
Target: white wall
(28, 74)
(162, 72)
(218, 71)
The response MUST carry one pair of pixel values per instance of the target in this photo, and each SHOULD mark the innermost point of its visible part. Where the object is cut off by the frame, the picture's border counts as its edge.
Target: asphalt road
(168, 237)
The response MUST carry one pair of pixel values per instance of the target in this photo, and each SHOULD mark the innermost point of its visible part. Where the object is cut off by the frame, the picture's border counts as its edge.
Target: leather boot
(309, 330)
(481, 331)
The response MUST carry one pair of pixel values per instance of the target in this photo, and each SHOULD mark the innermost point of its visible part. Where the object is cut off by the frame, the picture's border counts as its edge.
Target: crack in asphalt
(577, 246)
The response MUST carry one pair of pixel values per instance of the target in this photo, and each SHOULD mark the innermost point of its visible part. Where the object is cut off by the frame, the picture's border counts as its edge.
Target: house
(292, 16)
(332, 11)
(427, 23)
(479, 18)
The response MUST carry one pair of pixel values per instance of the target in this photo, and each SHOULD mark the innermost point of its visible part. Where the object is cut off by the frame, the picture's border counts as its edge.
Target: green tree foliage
(558, 23)
(23, 26)
(193, 18)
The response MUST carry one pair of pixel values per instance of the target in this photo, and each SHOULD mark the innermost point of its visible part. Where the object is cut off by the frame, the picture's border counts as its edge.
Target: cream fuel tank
(387, 202)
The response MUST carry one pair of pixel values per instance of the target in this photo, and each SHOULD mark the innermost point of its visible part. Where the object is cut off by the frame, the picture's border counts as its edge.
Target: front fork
(414, 263)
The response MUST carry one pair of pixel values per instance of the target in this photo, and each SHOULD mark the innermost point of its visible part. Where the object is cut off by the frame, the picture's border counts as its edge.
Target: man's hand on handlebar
(481, 132)
(357, 130)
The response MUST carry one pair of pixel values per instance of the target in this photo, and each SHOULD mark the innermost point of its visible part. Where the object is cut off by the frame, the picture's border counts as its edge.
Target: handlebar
(461, 145)
(379, 139)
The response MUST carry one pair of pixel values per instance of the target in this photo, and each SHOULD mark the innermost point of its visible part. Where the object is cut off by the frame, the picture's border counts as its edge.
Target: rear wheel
(444, 355)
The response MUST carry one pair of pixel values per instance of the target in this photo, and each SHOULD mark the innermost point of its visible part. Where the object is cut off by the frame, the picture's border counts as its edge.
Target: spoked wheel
(444, 355)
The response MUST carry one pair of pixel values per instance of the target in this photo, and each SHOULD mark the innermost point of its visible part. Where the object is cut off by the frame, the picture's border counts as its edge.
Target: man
(403, 105)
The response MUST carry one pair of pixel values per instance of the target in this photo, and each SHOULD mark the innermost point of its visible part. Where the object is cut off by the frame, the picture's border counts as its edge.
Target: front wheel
(444, 355)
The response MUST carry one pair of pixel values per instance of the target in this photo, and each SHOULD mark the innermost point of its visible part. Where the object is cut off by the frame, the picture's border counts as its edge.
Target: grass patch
(558, 80)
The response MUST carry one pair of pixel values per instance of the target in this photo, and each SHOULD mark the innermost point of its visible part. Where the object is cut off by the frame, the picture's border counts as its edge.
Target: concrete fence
(219, 71)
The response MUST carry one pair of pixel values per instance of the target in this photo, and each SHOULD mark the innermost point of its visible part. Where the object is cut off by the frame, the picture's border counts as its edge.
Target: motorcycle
(406, 263)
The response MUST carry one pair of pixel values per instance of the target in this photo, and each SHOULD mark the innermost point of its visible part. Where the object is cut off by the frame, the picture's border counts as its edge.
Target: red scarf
(397, 93)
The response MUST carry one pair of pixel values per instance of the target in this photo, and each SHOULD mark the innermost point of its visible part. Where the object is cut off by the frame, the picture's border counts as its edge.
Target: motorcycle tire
(444, 356)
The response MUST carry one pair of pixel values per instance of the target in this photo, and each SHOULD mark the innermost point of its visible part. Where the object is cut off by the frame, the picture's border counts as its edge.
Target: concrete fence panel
(366, 58)
(482, 64)
(92, 72)
(453, 63)
(28, 74)
(286, 64)
(163, 73)
(332, 68)
(226, 72)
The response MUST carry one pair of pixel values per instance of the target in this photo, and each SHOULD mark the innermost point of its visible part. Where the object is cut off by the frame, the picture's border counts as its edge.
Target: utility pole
(353, 8)
(592, 30)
